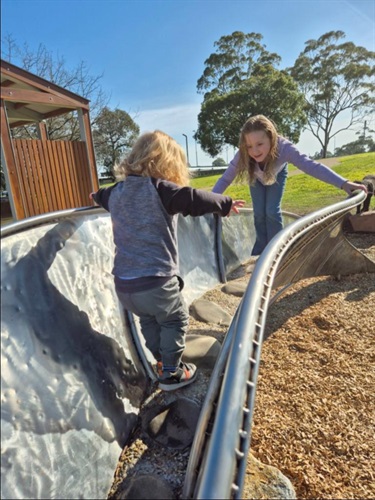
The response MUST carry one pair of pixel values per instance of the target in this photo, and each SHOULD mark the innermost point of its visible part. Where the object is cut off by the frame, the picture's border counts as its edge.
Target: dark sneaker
(185, 374)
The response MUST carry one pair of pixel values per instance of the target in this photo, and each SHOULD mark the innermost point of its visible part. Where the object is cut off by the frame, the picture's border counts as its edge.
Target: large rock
(174, 425)
(201, 350)
(265, 481)
(209, 312)
(146, 486)
(236, 289)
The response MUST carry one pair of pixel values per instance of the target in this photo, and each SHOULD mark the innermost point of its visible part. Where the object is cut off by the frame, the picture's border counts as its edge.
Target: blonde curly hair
(155, 154)
(246, 164)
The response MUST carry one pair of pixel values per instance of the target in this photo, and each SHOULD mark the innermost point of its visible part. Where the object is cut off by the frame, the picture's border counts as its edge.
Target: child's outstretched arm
(195, 202)
(228, 176)
(101, 197)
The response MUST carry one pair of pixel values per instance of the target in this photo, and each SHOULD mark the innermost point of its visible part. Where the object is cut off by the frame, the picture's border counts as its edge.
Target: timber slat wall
(53, 175)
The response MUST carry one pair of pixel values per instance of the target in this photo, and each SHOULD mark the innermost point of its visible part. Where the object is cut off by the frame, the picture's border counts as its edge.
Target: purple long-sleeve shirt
(287, 153)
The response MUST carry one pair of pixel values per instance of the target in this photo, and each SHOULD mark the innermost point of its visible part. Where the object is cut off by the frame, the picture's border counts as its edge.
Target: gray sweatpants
(163, 317)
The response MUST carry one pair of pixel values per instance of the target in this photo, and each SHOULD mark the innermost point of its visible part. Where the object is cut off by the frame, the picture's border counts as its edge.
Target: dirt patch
(328, 162)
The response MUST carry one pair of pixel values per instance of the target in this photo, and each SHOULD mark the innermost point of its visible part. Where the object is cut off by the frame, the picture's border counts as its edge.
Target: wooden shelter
(43, 175)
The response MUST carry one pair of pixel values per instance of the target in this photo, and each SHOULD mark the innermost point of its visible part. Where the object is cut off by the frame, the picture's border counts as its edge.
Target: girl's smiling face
(258, 145)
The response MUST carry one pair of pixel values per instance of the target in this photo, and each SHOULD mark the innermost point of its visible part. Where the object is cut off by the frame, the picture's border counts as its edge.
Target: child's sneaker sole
(172, 386)
(185, 374)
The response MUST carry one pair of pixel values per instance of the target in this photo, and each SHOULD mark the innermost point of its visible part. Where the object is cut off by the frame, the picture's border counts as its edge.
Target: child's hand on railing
(235, 205)
(349, 187)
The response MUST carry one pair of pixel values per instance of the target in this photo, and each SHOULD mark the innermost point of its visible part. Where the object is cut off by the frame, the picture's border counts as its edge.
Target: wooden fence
(53, 175)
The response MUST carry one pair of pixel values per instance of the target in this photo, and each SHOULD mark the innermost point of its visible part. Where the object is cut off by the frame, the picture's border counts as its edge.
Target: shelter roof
(30, 99)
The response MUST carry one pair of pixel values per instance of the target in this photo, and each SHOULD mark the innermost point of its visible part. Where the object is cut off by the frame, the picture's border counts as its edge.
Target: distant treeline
(205, 171)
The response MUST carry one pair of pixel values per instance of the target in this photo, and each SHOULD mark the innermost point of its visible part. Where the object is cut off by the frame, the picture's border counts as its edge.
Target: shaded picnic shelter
(43, 175)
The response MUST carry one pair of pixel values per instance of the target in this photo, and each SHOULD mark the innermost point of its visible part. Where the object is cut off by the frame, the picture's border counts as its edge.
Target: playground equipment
(73, 372)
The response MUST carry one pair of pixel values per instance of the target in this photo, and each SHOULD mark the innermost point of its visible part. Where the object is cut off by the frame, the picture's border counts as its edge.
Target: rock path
(153, 464)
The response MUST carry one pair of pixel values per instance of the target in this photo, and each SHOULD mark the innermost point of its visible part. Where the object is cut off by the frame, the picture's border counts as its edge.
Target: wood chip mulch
(314, 416)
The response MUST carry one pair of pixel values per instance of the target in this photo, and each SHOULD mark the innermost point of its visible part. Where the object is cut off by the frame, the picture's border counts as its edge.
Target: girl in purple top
(263, 159)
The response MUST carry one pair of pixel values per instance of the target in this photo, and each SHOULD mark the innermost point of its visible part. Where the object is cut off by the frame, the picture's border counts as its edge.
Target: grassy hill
(303, 193)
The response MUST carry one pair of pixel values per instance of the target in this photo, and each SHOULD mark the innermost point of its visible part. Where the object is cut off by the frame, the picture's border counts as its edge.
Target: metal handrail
(39, 220)
(218, 458)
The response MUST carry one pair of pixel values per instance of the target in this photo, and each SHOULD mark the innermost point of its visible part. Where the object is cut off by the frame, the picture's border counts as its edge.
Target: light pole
(196, 151)
(187, 148)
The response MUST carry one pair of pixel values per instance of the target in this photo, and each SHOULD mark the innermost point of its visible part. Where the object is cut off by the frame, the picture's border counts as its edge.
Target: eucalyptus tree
(241, 79)
(114, 132)
(337, 80)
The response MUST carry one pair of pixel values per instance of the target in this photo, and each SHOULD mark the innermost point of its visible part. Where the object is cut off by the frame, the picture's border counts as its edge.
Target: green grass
(303, 193)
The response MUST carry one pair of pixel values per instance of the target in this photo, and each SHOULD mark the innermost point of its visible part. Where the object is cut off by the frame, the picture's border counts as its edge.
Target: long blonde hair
(155, 154)
(246, 164)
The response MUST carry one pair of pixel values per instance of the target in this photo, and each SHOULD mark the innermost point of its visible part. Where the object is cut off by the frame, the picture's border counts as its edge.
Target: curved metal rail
(39, 220)
(218, 457)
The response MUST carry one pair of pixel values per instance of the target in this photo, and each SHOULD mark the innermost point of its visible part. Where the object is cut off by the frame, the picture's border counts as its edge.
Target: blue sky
(152, 52)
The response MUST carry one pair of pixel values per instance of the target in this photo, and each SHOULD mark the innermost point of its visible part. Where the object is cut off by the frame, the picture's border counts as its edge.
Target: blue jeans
(267, 210)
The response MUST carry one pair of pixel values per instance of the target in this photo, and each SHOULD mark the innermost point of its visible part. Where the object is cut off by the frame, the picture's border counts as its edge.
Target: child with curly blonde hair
(152, 189)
